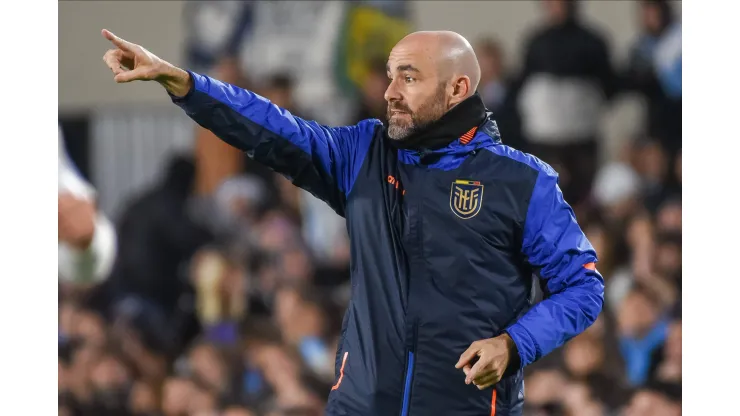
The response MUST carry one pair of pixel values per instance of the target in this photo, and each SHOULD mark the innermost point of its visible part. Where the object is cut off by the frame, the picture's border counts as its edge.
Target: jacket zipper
(411, 357)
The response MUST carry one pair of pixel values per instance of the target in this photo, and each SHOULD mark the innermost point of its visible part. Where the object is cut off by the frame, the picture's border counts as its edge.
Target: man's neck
(457, 121)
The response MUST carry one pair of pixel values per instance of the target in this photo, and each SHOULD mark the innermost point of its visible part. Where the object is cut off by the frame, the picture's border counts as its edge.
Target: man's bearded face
(403, 121)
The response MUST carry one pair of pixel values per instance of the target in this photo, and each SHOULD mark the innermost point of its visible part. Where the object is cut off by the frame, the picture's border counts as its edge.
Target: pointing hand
(131, 62)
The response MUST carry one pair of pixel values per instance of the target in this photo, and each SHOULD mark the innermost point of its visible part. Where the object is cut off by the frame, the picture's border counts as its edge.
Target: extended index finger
(121, 43)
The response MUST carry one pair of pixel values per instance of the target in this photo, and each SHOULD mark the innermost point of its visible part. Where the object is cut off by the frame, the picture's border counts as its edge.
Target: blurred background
(222, 287)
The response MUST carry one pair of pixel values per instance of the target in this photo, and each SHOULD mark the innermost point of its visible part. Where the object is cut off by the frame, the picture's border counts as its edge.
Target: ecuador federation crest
(466, 198)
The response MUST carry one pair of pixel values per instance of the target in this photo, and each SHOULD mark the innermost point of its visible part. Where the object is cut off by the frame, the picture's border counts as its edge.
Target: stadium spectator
(653, 401)
(157, 237)
(87, 239)
(561, 99)
(642, 331)
(654, 70)
(669, 369)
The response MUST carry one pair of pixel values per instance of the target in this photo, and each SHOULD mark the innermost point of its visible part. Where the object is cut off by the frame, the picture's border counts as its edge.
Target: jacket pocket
(510, 393)
(341, 341)
(340, 375)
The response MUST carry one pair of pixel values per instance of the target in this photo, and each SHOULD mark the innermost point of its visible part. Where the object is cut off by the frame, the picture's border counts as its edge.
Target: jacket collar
(483, 135)
(460, 122)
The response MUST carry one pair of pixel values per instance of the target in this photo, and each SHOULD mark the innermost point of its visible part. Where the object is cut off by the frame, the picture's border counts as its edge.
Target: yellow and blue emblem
(466, 198)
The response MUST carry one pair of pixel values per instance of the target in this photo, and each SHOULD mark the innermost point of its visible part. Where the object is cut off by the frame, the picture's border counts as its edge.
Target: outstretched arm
(319, 159)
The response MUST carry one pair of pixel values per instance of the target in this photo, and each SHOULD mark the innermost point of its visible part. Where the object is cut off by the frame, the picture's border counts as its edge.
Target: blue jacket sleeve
(319, 159)
(555, 246)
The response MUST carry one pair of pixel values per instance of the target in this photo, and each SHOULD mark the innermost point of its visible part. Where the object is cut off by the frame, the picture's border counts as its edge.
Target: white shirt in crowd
(94, 264)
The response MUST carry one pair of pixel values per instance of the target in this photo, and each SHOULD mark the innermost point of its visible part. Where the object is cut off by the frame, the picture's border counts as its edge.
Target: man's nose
(392, 93)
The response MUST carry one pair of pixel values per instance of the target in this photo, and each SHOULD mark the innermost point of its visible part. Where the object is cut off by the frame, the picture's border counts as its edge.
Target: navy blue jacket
(444, 245)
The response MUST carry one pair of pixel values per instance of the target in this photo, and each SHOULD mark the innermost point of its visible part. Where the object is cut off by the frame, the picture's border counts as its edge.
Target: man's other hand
(131, 62)
(493, 356)
(76, 221)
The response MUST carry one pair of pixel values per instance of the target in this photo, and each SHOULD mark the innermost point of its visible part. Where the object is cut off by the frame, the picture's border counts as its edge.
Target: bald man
(448, 228)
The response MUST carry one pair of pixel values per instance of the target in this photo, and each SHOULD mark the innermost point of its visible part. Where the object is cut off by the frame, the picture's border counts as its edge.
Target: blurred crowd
(227, 293)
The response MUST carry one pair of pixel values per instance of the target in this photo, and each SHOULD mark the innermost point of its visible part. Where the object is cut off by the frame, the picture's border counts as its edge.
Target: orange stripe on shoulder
(590, 266)
(467, 137)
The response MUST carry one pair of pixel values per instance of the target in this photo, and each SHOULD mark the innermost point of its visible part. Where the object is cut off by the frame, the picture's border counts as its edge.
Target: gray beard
(397, 132)
(431, 112)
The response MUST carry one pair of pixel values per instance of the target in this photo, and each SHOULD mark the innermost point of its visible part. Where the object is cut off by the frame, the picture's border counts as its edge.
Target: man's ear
(460, 90)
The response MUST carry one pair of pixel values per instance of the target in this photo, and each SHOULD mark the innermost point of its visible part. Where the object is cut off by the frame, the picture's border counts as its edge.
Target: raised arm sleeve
(322, 160)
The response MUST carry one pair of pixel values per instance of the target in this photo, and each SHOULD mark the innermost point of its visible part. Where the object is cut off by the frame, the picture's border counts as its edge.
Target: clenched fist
(131, 62)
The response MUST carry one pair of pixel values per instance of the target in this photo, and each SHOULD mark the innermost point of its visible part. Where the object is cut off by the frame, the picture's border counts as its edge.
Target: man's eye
(409, 79)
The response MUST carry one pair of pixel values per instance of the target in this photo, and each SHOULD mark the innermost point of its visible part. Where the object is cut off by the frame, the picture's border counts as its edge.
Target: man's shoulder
(370, 129)
(520, 160)
(372, 123)
(363, 129)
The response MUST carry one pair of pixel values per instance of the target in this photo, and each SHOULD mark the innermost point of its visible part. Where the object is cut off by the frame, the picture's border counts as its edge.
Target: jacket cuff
(198, 81)
(525, 344)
